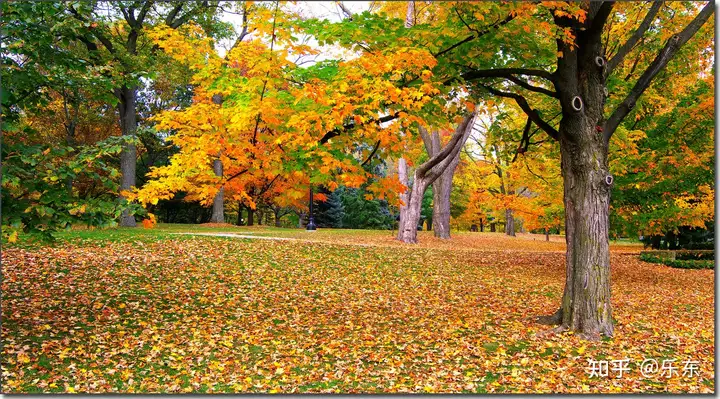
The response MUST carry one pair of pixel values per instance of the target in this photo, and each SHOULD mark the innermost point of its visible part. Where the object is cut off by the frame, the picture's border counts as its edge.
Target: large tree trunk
(509, 222)
(586, 298)
(218, 210)
(128, 156)
(585, 307)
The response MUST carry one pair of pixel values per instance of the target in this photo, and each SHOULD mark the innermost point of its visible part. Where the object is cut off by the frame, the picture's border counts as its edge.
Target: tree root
(551, 320)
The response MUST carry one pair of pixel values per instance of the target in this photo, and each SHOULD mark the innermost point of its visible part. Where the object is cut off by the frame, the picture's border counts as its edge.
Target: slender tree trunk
(260, 217)
(404, 197)
(509, 223)
(218, 210)
(429, 224)
(251, 216)
(482, 226)
(442, 188)
(547, 234)
(128, 156)
(492, 227)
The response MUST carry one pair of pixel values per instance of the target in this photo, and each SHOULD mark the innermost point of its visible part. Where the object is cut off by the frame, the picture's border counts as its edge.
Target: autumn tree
(57, 151)
(580, 41)
(118, 44)
(584, 66)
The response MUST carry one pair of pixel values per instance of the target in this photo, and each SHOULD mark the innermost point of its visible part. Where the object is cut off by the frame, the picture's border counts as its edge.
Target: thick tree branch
(634, 39)
(530, 112)
(659, 63)
(600, 11)
(440, 168)
(104, 40)
(528, 86)
(143, 12)
(173, 13)
(460, 132)
(186, 17)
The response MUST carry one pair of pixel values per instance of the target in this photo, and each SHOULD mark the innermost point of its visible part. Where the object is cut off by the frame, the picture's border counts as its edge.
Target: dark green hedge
(679, 263)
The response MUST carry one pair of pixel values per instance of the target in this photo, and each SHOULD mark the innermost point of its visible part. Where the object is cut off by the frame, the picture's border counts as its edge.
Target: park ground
(152, 310)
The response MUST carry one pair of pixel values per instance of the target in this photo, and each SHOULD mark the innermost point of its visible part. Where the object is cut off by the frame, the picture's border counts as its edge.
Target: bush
(695, 263)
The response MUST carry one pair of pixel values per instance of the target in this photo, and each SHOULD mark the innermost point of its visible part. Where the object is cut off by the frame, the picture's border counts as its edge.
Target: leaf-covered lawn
(156, 312)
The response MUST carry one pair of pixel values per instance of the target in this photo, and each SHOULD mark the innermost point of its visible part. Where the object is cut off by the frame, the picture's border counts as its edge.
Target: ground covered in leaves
(350, 311)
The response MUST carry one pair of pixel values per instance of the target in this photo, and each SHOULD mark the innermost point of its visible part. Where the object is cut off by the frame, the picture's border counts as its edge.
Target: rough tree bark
(426, 174)
(218, 210)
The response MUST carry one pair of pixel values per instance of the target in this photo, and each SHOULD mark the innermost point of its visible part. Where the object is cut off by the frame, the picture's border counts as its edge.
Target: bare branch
(372, 154)
(476, 35)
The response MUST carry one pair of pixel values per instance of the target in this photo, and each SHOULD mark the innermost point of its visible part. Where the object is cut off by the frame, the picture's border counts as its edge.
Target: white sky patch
(308, 9)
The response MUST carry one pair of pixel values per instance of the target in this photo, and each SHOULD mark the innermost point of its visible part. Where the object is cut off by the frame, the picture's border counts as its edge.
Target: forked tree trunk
(509, 223)
(442, 187)
(425, 175)
(218, 209)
